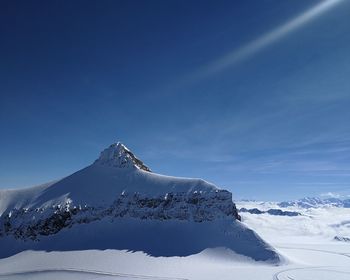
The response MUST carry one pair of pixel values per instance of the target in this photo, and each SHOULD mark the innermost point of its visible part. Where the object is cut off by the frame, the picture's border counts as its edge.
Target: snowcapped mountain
(117, 202)
(316, 202)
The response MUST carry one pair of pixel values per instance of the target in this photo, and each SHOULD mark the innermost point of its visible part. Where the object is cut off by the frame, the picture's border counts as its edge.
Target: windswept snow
(99, 185)
(117, 170)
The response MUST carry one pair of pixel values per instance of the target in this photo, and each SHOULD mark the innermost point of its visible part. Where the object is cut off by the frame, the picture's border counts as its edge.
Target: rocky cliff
(117, 185)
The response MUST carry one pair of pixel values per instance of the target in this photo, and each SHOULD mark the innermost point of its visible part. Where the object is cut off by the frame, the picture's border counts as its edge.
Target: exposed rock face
(274, 212)
(196, 207)
(341, 238)
(117, 155)
(156, 197)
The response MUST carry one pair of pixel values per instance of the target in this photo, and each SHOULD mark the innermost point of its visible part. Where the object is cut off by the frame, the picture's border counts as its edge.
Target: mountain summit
(118, 155)
(118, 203)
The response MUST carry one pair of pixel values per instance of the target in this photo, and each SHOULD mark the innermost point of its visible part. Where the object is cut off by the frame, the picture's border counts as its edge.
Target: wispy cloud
(266, 39)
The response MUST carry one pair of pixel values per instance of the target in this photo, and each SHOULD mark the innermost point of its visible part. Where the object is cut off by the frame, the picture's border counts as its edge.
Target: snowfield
(115, 219)
(305, 262)
(306, 243)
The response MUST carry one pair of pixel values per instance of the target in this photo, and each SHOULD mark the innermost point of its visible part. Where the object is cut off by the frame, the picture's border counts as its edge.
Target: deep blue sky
(207, 89)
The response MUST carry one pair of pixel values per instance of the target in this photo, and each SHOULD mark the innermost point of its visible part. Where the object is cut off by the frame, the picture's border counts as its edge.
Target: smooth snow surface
(117, 170)
(156, 238)
(99, 185)
(308, 254)
(210, 264)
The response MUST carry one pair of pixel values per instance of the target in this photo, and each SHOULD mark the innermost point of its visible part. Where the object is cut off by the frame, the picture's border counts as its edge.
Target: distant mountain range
(274, 212)
(316, 202)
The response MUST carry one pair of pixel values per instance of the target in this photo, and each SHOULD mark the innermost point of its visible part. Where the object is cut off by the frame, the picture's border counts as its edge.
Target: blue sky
(251, 95)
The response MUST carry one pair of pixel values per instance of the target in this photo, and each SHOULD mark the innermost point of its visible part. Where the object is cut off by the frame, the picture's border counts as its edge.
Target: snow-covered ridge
(117, 203)
(116, 185)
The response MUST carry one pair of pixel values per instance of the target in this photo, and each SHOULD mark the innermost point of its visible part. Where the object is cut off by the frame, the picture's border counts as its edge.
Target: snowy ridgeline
(118, 203)
(197, 207)
(117, 185)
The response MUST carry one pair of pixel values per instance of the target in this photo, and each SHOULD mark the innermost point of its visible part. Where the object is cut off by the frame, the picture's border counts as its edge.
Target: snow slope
(306, 262)
(156, 238)
(118, 203)
(114, 172)
(309, 254)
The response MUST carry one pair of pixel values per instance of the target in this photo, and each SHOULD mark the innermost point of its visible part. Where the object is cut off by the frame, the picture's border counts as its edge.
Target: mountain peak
(118, 155)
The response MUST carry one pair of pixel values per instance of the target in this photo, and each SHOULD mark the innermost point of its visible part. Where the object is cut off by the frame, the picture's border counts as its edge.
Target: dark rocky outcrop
(275, 212)
(197, 207)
